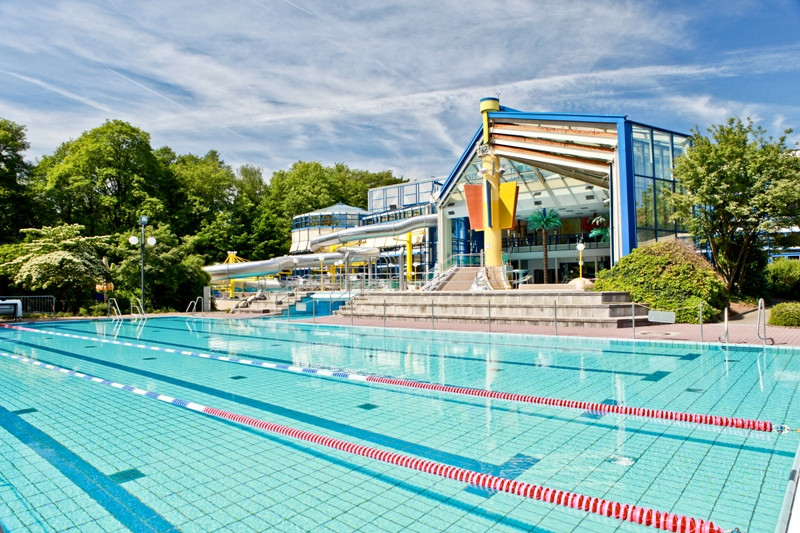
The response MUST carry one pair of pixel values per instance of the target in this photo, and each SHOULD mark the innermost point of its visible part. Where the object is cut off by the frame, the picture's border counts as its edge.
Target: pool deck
(742, 330)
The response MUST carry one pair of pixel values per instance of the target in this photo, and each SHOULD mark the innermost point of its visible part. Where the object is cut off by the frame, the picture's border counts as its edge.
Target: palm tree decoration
(600, 229)
(545, 221)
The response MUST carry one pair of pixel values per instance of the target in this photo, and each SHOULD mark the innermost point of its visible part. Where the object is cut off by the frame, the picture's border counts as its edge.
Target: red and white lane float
(675, 416)
(622, 511)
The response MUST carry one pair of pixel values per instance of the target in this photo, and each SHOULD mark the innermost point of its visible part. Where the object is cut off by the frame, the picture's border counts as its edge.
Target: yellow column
(492, 233)
(409, 257)
(231, 289)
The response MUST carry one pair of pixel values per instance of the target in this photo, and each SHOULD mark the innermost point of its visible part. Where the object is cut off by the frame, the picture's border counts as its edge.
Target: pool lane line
(621, 511)
(627, 410)
(453, 357)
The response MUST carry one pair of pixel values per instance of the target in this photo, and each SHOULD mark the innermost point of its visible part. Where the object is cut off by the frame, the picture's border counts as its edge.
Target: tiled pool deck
(743, 331)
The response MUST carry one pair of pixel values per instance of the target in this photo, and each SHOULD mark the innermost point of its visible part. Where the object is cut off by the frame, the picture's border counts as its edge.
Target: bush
(668, 276)
(98, 309)
(785, 314)
(784, 278)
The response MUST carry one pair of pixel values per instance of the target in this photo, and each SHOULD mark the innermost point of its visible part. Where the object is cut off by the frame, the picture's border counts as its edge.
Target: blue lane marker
(399, 445)
(122, 505)
(597, 415)
(511, 469)
(657, 376)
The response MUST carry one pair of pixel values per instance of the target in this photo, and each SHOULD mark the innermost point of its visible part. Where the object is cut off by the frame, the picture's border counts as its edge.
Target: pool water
(77, 455)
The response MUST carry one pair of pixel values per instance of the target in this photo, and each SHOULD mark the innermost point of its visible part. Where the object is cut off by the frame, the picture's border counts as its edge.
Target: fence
(44, 305)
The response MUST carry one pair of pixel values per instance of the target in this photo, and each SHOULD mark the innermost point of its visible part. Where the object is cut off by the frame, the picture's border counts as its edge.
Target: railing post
(701, 321)
(433, 320)
(555, 315)
(633, 320)
(724, 337)
(384, 313)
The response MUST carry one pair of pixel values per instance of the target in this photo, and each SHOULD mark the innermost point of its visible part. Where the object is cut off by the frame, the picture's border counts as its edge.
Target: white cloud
(387, 85)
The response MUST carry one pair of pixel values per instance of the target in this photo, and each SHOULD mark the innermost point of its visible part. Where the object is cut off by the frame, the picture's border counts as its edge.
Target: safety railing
(761, 323)
(192, 307)
(113, 308)
(42, 304)
(137, 309)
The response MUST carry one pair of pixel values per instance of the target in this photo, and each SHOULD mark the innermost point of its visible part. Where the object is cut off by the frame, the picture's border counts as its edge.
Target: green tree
(208, 187)
(308, 186)
(58, 259)
(544, 221)
(15, 205)
(173, 276)
(103, 179)
(734, 186)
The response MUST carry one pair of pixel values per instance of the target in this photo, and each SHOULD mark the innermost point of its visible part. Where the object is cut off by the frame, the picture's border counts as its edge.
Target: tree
(733, 187)
(544, 221)
(600, 229)
(59, 259)
(15, 208)
(103, 179)
(173, 276)
(208, 186)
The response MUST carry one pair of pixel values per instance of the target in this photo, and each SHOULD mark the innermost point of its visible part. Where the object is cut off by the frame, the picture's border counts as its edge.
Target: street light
(580, 248)
(134, 240)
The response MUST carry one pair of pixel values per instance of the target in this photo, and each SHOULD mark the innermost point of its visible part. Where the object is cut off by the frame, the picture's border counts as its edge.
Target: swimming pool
(82, 455)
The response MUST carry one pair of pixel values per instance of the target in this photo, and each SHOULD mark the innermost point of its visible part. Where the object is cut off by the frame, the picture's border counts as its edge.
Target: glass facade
(403, 195)
(654, 153)
(326, 220)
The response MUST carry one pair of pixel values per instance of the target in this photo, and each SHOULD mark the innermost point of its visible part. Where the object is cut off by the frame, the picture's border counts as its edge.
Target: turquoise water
(80, 456)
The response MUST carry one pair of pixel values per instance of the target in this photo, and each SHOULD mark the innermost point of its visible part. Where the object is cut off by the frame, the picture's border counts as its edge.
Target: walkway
(740, 331)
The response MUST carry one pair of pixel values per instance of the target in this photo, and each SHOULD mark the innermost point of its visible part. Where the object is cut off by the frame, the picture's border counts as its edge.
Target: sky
(385, 84)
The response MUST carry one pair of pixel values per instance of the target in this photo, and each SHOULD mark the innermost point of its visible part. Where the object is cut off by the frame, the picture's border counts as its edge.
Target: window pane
(645, 202)
(642, 157)
(643, 236)
(662, 154)
(679, 143)
(663, 209)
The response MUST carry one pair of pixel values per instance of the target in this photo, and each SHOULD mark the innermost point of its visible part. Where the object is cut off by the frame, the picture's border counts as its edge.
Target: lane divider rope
(622, 511)
(627, 410)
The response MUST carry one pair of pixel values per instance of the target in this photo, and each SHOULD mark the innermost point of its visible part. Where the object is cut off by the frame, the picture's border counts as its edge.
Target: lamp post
(134, 240)
(580, 248)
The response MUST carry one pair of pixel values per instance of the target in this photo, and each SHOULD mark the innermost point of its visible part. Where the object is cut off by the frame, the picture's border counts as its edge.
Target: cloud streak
(388, 85)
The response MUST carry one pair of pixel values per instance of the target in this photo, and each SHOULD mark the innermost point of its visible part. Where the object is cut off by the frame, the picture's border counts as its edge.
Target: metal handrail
(724, 337)
(112, 304)
(137, 307)
(193, 305)
(761, 323)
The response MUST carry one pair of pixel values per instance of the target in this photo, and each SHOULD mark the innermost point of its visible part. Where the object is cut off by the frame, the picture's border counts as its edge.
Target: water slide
(224, 271)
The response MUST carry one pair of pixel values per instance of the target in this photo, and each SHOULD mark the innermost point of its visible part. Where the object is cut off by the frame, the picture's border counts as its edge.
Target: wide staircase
(275, 303)
(571, 308)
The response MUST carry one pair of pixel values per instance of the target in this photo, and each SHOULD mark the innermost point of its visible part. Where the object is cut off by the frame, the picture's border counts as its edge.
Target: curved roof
(337, 209)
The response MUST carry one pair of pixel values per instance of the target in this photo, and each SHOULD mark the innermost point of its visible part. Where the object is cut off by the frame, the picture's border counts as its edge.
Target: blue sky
(389, 84)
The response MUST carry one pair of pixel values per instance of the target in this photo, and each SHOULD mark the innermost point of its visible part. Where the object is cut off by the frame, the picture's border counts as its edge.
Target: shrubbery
(784, 278)
(668, 276)
(785, 314)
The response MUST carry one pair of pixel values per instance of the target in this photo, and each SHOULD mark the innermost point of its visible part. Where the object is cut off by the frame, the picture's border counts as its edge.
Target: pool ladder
(114, 306)
(761, 323)
(137, 309)
(192, 307)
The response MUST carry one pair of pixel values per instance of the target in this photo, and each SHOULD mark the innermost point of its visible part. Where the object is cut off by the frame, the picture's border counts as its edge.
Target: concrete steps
(460, 280)
(572, 308)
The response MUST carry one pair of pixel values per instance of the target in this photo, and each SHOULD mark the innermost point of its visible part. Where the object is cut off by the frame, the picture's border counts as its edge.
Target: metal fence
(43, 305)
